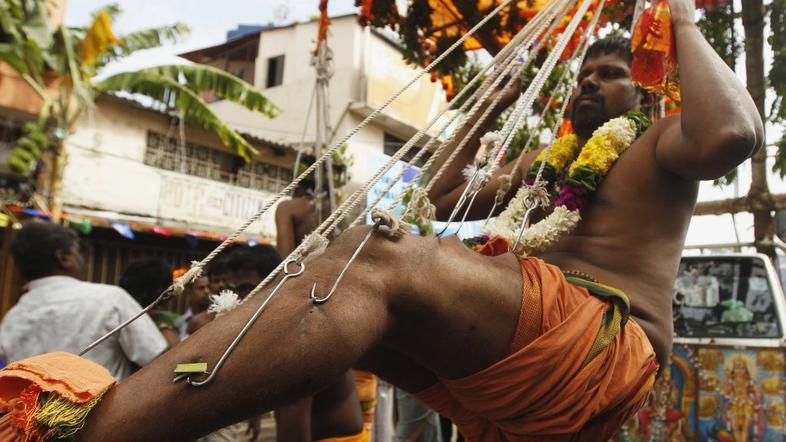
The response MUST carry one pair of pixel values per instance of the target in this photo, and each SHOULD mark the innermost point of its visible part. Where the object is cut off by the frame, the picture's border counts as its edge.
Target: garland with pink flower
(584, 175)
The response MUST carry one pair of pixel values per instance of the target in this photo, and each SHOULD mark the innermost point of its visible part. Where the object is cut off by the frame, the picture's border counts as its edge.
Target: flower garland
(584, 176)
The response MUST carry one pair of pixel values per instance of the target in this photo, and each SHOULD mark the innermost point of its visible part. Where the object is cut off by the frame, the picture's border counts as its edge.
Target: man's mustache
(590, 96)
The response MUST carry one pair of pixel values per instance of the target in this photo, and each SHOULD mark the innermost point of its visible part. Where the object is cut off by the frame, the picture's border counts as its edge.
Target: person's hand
(507, 91)
(682, 12)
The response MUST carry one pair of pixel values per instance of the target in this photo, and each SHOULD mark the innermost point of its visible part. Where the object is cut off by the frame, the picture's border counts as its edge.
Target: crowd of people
(60, 311)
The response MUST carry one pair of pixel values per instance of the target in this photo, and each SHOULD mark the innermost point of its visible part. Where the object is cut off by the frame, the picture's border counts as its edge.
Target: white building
(368, 69)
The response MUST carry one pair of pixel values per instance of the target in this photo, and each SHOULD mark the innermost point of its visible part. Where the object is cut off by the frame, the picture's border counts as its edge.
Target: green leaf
(36, 27)
(180, 97)
(145, 39)
(202, 78)
(10, 54)
(779, 166)
(79, 89)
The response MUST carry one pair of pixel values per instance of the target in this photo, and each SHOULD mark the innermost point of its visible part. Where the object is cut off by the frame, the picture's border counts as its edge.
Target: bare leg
(450, 311)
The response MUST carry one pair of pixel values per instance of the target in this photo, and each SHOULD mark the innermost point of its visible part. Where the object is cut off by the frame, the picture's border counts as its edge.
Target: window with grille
(205, 162)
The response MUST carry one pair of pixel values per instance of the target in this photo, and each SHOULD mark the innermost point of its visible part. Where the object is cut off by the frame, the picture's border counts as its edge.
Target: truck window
(724, 297)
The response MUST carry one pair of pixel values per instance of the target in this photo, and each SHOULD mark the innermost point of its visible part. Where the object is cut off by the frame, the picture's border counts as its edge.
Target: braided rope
(551, 60)
(485, 114)
(578, 54)
(507, 64)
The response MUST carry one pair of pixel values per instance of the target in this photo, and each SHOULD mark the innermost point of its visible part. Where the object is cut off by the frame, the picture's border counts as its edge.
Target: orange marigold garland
(654, 65)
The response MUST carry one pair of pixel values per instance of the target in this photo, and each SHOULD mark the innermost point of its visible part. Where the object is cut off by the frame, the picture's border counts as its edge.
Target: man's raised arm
(719, 126)
(446, 191)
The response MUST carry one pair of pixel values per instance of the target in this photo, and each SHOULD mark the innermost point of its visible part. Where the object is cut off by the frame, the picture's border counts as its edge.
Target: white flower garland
(560, 222)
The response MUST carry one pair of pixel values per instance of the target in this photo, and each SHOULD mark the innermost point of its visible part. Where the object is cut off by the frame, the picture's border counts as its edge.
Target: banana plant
(63, 66)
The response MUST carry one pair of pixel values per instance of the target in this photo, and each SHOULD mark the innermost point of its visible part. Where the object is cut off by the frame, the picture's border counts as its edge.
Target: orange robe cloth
(552, 388)
(66, 375)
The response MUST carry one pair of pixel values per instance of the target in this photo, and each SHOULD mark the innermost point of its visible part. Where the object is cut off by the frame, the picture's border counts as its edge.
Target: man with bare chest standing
(560, 346)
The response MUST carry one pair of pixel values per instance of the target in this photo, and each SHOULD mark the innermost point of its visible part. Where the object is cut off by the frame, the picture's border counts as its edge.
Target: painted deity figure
(663, 410)
(742, 411)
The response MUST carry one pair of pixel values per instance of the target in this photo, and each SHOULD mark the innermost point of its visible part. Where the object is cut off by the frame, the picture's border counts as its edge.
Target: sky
(210, 23)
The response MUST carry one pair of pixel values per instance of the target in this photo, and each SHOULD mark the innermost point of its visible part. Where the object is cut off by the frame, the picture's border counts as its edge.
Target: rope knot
(421, 206)
(223, 303)
(490, 139)
(179, 285)
(505, 182)
(537, 192)
(313, 244)
(396, 227)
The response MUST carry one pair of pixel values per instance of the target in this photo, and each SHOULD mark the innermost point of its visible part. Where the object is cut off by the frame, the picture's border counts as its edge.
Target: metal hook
(248, 325)
(525, 220)
(466, 211)
(317, 300)
(459, 204)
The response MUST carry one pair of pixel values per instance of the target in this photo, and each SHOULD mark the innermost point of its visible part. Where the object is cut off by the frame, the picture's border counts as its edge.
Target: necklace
(584, 175)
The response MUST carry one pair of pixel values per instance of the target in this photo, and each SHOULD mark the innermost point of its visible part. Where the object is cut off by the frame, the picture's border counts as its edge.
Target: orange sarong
(49, 395)
(579, 377)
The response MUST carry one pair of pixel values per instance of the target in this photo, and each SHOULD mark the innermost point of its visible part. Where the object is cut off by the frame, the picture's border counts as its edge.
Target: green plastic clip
(183, 371)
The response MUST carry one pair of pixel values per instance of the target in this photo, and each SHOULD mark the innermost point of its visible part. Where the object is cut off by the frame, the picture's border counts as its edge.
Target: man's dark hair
(146, 279)
(610, 45)
(261, 258)
(35, 245)
(216, 267)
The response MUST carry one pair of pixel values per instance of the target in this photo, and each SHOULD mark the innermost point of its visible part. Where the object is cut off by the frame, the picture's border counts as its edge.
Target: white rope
(578, 54)
(535, 27)
(197, 267)
(485, 114)
(254, 218)
(551, 60)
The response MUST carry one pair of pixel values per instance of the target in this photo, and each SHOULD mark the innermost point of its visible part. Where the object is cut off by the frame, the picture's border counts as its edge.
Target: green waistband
(600, 290)
(615, 317)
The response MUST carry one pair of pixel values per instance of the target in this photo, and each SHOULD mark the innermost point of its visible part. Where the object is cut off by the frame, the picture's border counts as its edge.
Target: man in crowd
(145, 280)
(509, 348)
(197, 295)
(61, 312)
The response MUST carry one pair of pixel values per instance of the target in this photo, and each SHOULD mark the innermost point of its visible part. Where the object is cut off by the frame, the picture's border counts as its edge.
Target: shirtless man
(438, 319)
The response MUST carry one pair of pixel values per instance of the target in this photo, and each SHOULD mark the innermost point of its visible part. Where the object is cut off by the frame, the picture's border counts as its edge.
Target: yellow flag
(97, 38)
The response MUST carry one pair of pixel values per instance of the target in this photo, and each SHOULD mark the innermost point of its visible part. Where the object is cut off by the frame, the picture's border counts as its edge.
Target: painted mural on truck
(715, 394)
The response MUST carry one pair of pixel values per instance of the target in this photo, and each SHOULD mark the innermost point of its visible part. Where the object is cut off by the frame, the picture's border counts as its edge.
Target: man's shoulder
(103, 291)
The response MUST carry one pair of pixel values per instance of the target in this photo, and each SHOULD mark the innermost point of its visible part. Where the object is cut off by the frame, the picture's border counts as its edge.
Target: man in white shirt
(62, 313)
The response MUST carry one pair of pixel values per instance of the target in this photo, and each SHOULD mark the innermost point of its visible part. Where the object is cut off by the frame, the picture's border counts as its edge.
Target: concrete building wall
(105, 171)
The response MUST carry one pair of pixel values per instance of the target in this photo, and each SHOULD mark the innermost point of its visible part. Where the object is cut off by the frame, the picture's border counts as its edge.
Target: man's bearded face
(604, 90)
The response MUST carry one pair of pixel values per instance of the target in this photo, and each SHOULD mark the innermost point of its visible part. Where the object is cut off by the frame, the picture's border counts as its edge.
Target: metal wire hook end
(249, 323)
(313, 296)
